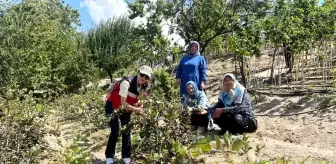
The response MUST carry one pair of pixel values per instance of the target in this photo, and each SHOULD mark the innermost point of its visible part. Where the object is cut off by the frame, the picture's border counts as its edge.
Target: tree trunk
(174, 58)
(288, 57)
(110, 75)
(235, 63)
(242, 70)
(202, 50)
(271, 78)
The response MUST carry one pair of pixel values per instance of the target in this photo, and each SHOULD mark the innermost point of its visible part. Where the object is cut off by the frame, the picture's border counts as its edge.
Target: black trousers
(199, 120)
(236, 123)
(113, 138)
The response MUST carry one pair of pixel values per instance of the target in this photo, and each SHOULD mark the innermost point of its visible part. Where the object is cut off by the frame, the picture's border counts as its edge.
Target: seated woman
(197, 102)
(233, 111)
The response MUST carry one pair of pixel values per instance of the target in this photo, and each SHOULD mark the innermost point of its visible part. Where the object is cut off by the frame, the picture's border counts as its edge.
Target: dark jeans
(108, 107)
(199, 120)
(236, 123)
(126, 136)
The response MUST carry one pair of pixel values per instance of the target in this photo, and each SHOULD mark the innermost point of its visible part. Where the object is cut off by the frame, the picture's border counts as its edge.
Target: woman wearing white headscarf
(233, 111)
(192, 67)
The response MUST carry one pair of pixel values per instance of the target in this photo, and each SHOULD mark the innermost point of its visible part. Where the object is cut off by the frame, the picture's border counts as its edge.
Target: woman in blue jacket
(192, 67)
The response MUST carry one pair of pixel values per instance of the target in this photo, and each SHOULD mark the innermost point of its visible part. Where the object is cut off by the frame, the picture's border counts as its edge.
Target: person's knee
(252, 126)
(126, 132)
(114, 130)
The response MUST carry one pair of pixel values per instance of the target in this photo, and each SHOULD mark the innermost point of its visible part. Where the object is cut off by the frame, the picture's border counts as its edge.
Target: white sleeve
(124, 85)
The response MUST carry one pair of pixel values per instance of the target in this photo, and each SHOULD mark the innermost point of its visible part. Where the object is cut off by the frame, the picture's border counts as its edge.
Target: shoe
(216, 127)
(127, 160)
(193, 128)
(201, 130)
(109, 160)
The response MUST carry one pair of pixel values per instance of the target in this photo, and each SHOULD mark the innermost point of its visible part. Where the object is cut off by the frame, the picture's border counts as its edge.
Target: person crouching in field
(125, 96)
(233, 111)
(197, 102)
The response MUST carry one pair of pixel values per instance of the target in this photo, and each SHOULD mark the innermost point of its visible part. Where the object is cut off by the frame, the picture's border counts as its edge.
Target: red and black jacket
(132, 96)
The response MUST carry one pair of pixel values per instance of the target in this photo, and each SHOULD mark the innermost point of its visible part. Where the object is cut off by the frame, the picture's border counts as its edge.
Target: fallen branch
(289, 94)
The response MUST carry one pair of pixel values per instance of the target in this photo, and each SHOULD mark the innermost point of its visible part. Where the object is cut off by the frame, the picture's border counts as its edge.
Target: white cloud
(103, 9)
(172, 37)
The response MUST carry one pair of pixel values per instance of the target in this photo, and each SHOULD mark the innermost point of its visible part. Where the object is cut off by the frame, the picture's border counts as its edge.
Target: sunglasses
(144, 75)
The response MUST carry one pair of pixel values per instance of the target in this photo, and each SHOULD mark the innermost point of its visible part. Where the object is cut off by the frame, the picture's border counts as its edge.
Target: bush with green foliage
(40, 49)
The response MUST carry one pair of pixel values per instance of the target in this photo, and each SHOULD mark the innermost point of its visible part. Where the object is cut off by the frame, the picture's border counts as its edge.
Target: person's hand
(202, 86)
(105, 97)
(202, 112)
(218, 112)
(138, 104)
(178, 82)
(138, 110)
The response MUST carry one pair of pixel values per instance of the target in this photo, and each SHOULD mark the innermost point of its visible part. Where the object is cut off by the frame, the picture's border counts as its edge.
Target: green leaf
(237, 143)
(201, 140)
(196, 145)
(74, 148)
(68, 159)
(209, 138)
(195, 153)
(206, 148)
(218, 143)
(39, 108)
(226, 141)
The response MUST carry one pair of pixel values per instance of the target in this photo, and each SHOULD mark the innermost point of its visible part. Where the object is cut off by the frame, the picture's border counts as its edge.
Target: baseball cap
(146, 70)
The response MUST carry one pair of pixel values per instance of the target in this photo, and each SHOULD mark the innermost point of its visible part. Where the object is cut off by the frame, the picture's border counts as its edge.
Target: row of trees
(40, 48)
(244, 26)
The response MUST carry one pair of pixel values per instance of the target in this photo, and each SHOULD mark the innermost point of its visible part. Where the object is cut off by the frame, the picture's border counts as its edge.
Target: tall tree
(113, 45)
(199, 20)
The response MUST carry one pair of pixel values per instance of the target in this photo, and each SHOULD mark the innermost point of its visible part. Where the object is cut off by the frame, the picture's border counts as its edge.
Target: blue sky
(92, 11)
(85, 17)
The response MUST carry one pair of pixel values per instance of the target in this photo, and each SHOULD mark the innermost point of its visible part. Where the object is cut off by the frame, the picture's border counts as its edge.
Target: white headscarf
(235, 94)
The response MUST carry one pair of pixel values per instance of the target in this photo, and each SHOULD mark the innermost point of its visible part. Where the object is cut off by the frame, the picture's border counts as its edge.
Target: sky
(93, 11)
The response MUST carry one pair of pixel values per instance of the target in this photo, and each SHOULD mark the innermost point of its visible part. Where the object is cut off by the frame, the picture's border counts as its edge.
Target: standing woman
(233, 111)
(125, 96)
(192, 67)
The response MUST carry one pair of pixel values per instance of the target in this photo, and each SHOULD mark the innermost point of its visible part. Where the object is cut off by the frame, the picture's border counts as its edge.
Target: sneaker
(109, 160)
(201, 130)
(216, 127)
(127, 160)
